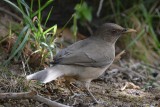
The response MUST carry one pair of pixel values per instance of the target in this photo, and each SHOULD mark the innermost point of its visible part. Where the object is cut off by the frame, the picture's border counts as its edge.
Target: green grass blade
(155, 37)
(54, 28)
(12, 4)
(27, 18)
(19, 39)
(49, 14)
(44, 6)
(39, 11)
(31, 8)
(27, 8)
(21, 46)
(49, 48)
(136, 39)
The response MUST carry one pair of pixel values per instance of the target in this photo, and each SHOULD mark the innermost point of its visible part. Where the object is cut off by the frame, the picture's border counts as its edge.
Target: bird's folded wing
(84, 53)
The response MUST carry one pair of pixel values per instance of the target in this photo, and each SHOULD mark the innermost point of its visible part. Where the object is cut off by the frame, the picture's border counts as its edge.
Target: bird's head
(111, 32)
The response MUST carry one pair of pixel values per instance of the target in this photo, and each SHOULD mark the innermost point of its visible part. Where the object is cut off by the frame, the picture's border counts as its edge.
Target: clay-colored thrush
(85, 60)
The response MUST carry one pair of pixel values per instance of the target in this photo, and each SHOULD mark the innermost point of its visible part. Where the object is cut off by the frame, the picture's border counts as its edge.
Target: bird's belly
(82, 73)
(92, 73)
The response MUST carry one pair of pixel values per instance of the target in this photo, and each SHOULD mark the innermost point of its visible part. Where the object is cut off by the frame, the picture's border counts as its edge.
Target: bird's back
(89, 52)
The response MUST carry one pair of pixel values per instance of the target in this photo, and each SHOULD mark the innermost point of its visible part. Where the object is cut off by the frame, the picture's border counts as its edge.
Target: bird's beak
(128, 30)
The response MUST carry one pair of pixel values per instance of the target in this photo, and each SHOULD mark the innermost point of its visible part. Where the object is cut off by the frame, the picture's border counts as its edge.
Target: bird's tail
(46, 75)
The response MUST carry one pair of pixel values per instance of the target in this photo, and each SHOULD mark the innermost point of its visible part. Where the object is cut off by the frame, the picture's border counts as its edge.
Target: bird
(86, 59)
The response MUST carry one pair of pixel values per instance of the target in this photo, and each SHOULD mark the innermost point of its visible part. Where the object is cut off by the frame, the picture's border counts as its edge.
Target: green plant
(146, 45)
(82, 13)
(140, 15)
(32, 32)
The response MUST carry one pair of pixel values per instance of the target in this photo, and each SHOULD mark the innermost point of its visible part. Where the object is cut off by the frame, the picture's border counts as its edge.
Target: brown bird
(85, 60)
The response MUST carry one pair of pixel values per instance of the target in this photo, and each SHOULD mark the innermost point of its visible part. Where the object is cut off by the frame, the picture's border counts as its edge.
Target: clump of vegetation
(143, 16)
(83, 14)
(34, 39)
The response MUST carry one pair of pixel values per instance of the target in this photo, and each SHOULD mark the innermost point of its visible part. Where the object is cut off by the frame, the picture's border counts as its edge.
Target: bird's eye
(114, 31)
(124, 30)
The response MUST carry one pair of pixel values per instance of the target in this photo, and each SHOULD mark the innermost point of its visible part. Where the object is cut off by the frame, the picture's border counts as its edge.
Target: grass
(33, 32)
(140, 15)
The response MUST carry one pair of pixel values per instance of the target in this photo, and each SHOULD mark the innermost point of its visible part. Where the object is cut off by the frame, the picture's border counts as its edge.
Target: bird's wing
(84, 53)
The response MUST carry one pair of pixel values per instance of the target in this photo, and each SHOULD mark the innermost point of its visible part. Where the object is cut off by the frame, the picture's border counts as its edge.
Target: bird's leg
(87, 84)
(67, 83)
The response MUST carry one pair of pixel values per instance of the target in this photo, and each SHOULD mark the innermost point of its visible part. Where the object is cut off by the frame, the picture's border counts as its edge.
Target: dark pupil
(113, 31)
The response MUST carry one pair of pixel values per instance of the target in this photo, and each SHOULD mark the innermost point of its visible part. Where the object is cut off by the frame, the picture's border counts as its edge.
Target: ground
(129, 87)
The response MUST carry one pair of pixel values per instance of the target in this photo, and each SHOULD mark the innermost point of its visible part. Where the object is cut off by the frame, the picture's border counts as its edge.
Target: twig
(129, 85)
(30, 95)
(88, 28)
(66, 24)
(99, 8)
(118, 56)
